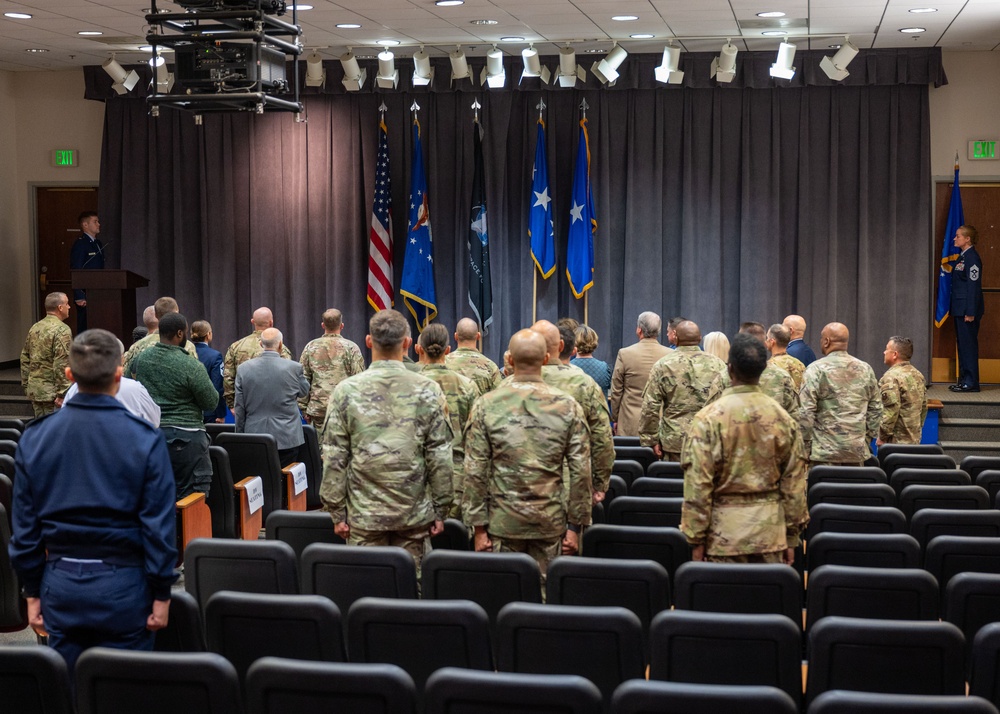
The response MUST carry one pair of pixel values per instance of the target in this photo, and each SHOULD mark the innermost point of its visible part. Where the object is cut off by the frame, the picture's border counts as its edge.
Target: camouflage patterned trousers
(415, 541)
(775, 557)
(543, 550)
(43, 408)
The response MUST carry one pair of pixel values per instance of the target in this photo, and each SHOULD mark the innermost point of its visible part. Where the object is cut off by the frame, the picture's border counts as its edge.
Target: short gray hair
(649, 323)
(387, 329)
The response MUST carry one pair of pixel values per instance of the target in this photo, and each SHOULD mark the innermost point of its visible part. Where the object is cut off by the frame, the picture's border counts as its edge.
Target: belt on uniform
(82, 566)
(738, 498)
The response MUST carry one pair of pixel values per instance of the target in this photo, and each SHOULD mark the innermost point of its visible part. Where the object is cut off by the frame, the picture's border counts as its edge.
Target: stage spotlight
(533, 66)
(836, 66)
(607, 69)
(782, 67)
(163, 77)
(493, 73)
(569, 71)
(459, 65)
(354, 75)
(667, 72)
(388, 75)
(423, 73)
(124, 82)
(315, 74)
(724, 66)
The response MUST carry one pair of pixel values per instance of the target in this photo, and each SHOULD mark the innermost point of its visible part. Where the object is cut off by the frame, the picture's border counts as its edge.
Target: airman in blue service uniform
(87, 253)
(967, 308)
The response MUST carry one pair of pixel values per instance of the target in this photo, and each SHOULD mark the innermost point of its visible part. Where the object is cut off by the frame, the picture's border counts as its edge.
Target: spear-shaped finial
(540, 107)
(584, 107)
(476, 106)
(382, 108)
(414, 107)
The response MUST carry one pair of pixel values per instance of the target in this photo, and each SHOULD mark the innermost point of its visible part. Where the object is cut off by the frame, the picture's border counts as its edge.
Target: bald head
(270, 339)
(262, 318)
(688, 334)
(528, 351)
(796, 324)
(553, 343)
(466, 332)
(149, 319)
(834, 338)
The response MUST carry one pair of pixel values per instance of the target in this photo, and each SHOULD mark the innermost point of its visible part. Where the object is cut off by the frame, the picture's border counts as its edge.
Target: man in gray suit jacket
(267, 392)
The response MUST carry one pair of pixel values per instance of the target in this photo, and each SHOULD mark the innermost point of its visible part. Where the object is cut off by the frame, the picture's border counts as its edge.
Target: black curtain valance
(877, 67)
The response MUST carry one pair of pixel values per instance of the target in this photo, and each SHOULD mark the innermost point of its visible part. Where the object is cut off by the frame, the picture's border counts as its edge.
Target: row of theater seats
(112, 681)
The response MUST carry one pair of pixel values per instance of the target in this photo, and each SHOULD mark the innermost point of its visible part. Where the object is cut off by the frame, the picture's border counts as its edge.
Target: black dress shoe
(963, 388)
(955, 387)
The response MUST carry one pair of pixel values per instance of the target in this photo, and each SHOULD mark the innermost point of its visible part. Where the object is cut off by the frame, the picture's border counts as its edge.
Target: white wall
(966, 108)
(39, 111)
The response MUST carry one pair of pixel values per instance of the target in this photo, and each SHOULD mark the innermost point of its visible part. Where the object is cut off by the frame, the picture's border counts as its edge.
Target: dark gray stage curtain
(719, 204)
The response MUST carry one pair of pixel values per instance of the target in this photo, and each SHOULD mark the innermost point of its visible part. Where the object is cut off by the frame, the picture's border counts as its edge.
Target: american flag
(380, 293)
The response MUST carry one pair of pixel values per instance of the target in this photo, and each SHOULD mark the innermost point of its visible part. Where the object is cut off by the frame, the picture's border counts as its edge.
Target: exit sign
(982, 149)
(64, 157)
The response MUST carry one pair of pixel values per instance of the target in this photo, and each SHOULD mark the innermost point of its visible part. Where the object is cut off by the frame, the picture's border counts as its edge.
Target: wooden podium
(110, 299)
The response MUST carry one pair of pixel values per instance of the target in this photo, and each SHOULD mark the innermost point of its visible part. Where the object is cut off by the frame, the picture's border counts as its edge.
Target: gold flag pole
(586, 308)
(534, 295)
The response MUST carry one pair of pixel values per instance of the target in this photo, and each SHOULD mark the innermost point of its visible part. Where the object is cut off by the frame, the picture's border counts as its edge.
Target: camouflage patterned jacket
(45, 358)
(516, 441)
(744, 476)
(794, 367)
(460, 392)
(582, 387)
(904, 404)
(840, 409)
(387, 450)
(774, 382)
(326, 362)
(476, 366)
(679, 382)
(133, 352)
(238, 353)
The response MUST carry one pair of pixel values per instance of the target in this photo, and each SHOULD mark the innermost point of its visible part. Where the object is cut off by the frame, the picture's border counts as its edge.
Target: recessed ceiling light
(35, 50)
(348, 25)
(912, 30)
(298, 8)
(387, 43)
(482, 22)
(449, 3)
(89, 33)
(145, 48)
(512, 38)
(595, 52)
(625, 18)
(774, 33)
(771, 13)
(924, 9)
(834, 47)
(642, 36)
(18, 16)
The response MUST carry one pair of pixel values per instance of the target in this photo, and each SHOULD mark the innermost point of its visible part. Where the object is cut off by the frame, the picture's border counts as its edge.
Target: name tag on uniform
(255, 494)
(299, 480)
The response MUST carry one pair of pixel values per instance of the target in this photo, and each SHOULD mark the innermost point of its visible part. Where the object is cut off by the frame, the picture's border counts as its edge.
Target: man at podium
(87, 254)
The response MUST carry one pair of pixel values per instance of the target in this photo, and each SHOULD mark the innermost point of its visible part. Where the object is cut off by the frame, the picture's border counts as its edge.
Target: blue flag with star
(541, 230)
(417, 283)
(949, 254)
(582, 223)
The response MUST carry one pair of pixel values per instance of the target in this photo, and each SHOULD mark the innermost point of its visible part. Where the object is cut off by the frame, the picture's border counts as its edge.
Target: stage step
(970, 422)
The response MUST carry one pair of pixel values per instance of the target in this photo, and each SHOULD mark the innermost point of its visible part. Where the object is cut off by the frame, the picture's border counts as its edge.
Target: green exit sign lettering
(64, 157)
(982, 149)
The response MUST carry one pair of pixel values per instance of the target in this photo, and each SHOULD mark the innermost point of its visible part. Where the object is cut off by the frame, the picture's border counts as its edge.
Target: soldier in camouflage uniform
(904, 395)
(468, 361)
(744, 471)
(161, 307)
(516, 441)
(840, 404)
(45, 357)
(460, 392)
(678, 384)
(326, 362)
(387, 449)
(244, 349)
(560, 343)
(778, 337)
(774, 381)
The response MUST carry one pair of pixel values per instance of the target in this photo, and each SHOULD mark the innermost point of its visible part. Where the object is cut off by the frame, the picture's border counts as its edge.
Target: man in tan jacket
(631, 372)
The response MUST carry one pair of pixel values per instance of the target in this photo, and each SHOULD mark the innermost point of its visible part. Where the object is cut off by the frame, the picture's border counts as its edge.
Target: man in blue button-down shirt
(94, 537)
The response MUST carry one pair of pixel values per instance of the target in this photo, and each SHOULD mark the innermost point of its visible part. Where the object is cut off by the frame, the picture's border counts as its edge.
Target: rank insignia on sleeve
(974, 273)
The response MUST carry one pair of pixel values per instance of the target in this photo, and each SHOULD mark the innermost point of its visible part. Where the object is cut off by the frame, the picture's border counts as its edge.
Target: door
(57, 209)
(981, 206)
